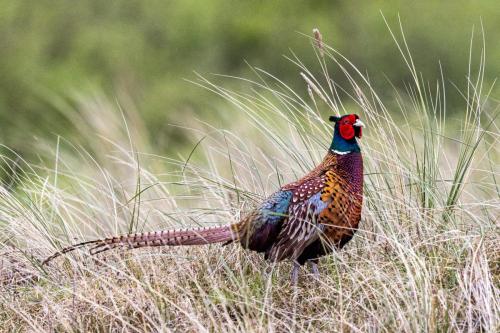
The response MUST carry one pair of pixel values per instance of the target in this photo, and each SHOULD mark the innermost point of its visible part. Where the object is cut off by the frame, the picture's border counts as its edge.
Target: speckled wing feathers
(301, 228)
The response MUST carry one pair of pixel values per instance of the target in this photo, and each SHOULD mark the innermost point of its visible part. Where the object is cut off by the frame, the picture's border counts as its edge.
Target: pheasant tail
(198, 236)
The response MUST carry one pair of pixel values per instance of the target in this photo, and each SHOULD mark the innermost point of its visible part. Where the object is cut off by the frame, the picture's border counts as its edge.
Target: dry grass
(427, 257)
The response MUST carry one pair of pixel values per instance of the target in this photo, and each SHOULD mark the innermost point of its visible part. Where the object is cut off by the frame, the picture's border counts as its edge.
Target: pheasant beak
(358, 123)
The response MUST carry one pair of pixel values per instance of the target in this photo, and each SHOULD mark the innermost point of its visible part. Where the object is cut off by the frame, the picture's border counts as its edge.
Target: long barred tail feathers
(198, 236)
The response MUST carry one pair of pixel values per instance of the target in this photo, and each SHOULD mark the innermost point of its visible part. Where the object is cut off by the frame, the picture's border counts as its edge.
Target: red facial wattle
(346, 127)
(346, 131)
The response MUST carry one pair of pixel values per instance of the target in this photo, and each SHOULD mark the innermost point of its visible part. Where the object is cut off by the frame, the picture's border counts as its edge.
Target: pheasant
(302, 221)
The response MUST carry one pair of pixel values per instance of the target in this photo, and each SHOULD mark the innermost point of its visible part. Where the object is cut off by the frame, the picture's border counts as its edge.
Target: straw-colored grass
(426, 257)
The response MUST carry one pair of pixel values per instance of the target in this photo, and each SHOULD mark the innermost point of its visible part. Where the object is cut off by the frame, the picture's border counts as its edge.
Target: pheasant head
(347, 130)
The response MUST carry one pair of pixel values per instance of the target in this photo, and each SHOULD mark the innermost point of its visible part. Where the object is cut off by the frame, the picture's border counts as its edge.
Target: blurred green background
(143, 51)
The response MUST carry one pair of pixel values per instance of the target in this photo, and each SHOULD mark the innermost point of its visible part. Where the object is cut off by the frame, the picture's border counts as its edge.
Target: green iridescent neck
(343, 146)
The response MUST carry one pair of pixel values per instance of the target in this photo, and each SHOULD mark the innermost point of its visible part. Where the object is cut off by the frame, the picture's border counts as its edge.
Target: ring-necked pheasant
(303, 221)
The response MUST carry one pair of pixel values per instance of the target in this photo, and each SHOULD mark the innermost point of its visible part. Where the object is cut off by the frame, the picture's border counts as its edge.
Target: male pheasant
(302, 221)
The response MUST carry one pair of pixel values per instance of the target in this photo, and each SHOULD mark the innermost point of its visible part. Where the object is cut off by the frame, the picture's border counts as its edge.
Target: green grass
(426, 257)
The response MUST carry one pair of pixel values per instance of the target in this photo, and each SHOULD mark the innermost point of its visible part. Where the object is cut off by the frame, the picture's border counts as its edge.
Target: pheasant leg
(295, 273)
(314, 268)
